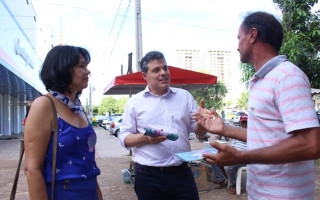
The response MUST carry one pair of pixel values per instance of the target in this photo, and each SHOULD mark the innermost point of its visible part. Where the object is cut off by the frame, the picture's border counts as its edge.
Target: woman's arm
(36, 140)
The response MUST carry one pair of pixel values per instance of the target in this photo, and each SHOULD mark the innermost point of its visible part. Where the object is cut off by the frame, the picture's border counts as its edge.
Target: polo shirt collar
(268, 66)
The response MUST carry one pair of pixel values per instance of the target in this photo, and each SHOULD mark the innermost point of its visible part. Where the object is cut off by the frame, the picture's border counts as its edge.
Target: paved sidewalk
(111, 159)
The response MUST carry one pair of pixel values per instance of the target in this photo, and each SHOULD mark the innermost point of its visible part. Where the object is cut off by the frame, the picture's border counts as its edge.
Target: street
(111, 159)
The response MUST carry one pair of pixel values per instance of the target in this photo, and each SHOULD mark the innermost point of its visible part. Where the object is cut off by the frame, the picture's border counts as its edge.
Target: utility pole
(138, 35)
(90, 102)
(92, 88)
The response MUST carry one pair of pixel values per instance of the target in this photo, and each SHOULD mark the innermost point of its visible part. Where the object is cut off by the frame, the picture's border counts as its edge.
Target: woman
(64, 74)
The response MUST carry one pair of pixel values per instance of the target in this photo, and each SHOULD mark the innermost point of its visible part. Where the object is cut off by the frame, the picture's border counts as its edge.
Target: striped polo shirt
(242, 146)
(279, 103)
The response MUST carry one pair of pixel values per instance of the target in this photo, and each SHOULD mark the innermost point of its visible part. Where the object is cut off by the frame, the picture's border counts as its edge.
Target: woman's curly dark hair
(57, 68)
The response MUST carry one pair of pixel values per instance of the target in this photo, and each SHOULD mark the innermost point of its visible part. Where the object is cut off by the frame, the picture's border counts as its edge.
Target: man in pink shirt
(282, 135)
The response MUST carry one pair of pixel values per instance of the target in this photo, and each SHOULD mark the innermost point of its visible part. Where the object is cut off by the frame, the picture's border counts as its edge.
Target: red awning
(180, 78)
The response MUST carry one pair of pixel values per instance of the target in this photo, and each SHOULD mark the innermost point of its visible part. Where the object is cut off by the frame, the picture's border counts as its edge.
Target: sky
(107, 29)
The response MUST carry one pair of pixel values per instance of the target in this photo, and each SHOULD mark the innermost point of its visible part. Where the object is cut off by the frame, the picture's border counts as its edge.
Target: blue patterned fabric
(76, 108)
(75, 153)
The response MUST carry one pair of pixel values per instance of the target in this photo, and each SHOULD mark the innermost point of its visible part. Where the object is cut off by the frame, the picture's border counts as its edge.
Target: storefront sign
(21, 52)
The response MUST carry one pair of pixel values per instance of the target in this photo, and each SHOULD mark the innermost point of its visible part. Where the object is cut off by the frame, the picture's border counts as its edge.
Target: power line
(145, 19)
(75, 7)
(114, 21)
(123, 20)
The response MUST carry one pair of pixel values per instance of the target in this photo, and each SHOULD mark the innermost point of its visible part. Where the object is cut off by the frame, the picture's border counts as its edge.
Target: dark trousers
(161, 183)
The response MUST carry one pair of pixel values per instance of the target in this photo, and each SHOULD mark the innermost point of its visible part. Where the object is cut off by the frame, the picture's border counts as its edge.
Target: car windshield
(116, 118)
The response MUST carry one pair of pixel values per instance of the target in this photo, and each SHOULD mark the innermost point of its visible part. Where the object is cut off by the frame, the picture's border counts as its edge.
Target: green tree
(243, 100)
(95, 110)
(107, 105)
(301, 39)
(229, 102)
(247, 71)
(120, 104)
(212, 95)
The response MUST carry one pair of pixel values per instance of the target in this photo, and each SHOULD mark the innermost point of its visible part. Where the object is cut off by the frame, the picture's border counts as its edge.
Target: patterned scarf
(76, 108)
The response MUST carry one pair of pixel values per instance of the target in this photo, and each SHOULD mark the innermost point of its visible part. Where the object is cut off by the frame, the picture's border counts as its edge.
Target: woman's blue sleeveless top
(75, 153)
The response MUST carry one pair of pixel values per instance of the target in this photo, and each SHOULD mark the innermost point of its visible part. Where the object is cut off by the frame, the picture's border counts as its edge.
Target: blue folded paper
(196, 154)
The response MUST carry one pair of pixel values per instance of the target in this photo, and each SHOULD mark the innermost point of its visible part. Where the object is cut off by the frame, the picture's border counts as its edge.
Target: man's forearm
(135, 140)
(235, 133)
(304, 145)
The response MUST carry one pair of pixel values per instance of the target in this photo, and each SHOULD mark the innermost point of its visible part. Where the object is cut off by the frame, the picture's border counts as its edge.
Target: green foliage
(95, 110)
(112, 105)
(228, 103)
(107, 105)
(212, 95)
(121, 103)
(243, 100)
(247, 71)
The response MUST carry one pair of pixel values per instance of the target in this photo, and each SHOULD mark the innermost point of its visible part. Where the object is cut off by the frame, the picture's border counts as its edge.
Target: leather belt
(172, 169)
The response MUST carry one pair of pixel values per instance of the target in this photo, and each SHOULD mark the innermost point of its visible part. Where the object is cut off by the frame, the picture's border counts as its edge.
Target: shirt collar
(268, 66)
(147, 91)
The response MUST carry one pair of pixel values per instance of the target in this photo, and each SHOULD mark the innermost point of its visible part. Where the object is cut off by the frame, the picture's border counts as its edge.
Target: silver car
(114, 126)
(236, 118)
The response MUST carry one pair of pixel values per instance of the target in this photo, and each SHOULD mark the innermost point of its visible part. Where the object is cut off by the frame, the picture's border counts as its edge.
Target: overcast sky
(107, 29)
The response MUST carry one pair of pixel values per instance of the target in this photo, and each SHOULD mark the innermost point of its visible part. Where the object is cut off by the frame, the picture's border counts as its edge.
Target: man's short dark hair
(56, 71)
(152, 55)
(269, 28)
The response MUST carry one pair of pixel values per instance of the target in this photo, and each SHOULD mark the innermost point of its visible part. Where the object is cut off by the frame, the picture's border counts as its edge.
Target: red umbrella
(180, 78)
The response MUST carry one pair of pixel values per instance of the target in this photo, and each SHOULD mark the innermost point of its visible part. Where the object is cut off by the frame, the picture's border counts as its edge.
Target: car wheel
(116, 133)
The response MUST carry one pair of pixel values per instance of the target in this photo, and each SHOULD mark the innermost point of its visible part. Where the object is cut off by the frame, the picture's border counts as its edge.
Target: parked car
(114, 126)
(106, 122)
(230, 114)
(236, 118)
(101, 120)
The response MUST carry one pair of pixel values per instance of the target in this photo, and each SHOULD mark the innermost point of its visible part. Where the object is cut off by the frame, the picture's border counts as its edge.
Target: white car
(114, 126)
(106, 122)
(236, 118)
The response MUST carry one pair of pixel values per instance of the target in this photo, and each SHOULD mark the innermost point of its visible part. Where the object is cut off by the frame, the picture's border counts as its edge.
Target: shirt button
(67, 181)
(66, 187)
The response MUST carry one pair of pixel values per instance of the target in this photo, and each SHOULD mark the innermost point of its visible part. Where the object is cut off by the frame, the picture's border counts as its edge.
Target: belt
(172, 169)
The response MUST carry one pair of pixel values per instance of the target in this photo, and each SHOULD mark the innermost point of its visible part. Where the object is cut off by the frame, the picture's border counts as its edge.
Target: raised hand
(210, 120)
(227, 155)
(203, 111)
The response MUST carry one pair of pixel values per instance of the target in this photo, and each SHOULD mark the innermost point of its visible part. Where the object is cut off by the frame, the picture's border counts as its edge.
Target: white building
(189, 59)
(21, 41)
(222, 63)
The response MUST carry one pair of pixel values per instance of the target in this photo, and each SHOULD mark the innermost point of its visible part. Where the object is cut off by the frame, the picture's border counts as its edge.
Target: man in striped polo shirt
(283, 135)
